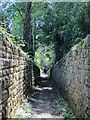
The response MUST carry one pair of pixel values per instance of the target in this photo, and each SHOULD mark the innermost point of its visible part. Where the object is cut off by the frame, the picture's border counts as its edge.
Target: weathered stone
(72, 75)
(13, 69)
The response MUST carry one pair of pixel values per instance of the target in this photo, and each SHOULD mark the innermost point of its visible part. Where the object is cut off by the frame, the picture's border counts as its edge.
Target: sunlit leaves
(59, 24)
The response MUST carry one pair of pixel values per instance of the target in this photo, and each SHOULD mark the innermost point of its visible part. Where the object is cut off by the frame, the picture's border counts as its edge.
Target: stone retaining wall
(72, 76)
(15, 77)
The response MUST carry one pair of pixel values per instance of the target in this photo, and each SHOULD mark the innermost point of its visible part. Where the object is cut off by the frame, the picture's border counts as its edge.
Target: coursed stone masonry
(15, 77)
(72, 76)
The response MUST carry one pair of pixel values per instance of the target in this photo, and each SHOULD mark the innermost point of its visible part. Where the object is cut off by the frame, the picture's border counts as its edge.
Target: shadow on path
(44, 102)
(44, 99)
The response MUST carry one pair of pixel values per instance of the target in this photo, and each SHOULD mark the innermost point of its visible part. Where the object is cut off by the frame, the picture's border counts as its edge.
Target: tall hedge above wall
(72, 76)
(15, 76)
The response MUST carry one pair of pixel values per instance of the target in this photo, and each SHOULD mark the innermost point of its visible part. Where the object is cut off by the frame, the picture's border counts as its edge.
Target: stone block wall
(72, 76)
(15, 77)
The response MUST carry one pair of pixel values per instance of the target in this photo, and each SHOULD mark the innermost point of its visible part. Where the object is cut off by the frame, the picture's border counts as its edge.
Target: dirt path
(45, 102)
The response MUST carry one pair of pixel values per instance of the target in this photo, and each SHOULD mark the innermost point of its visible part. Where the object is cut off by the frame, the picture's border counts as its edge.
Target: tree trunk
(27, 26)
(34, 35)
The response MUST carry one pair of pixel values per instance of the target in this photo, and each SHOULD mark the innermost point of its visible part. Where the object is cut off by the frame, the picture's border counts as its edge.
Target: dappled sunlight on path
(46, 102)
(43, 99)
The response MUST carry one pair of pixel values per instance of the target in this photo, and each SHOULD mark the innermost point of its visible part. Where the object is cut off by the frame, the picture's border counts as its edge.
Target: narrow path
(45, 102)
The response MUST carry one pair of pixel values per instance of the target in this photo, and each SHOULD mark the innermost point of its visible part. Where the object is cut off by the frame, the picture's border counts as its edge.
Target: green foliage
(23, 111)
(61, 24)
(13, 18)
(57, 25)
(26, 107)
(44, 55)
(18, 44)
